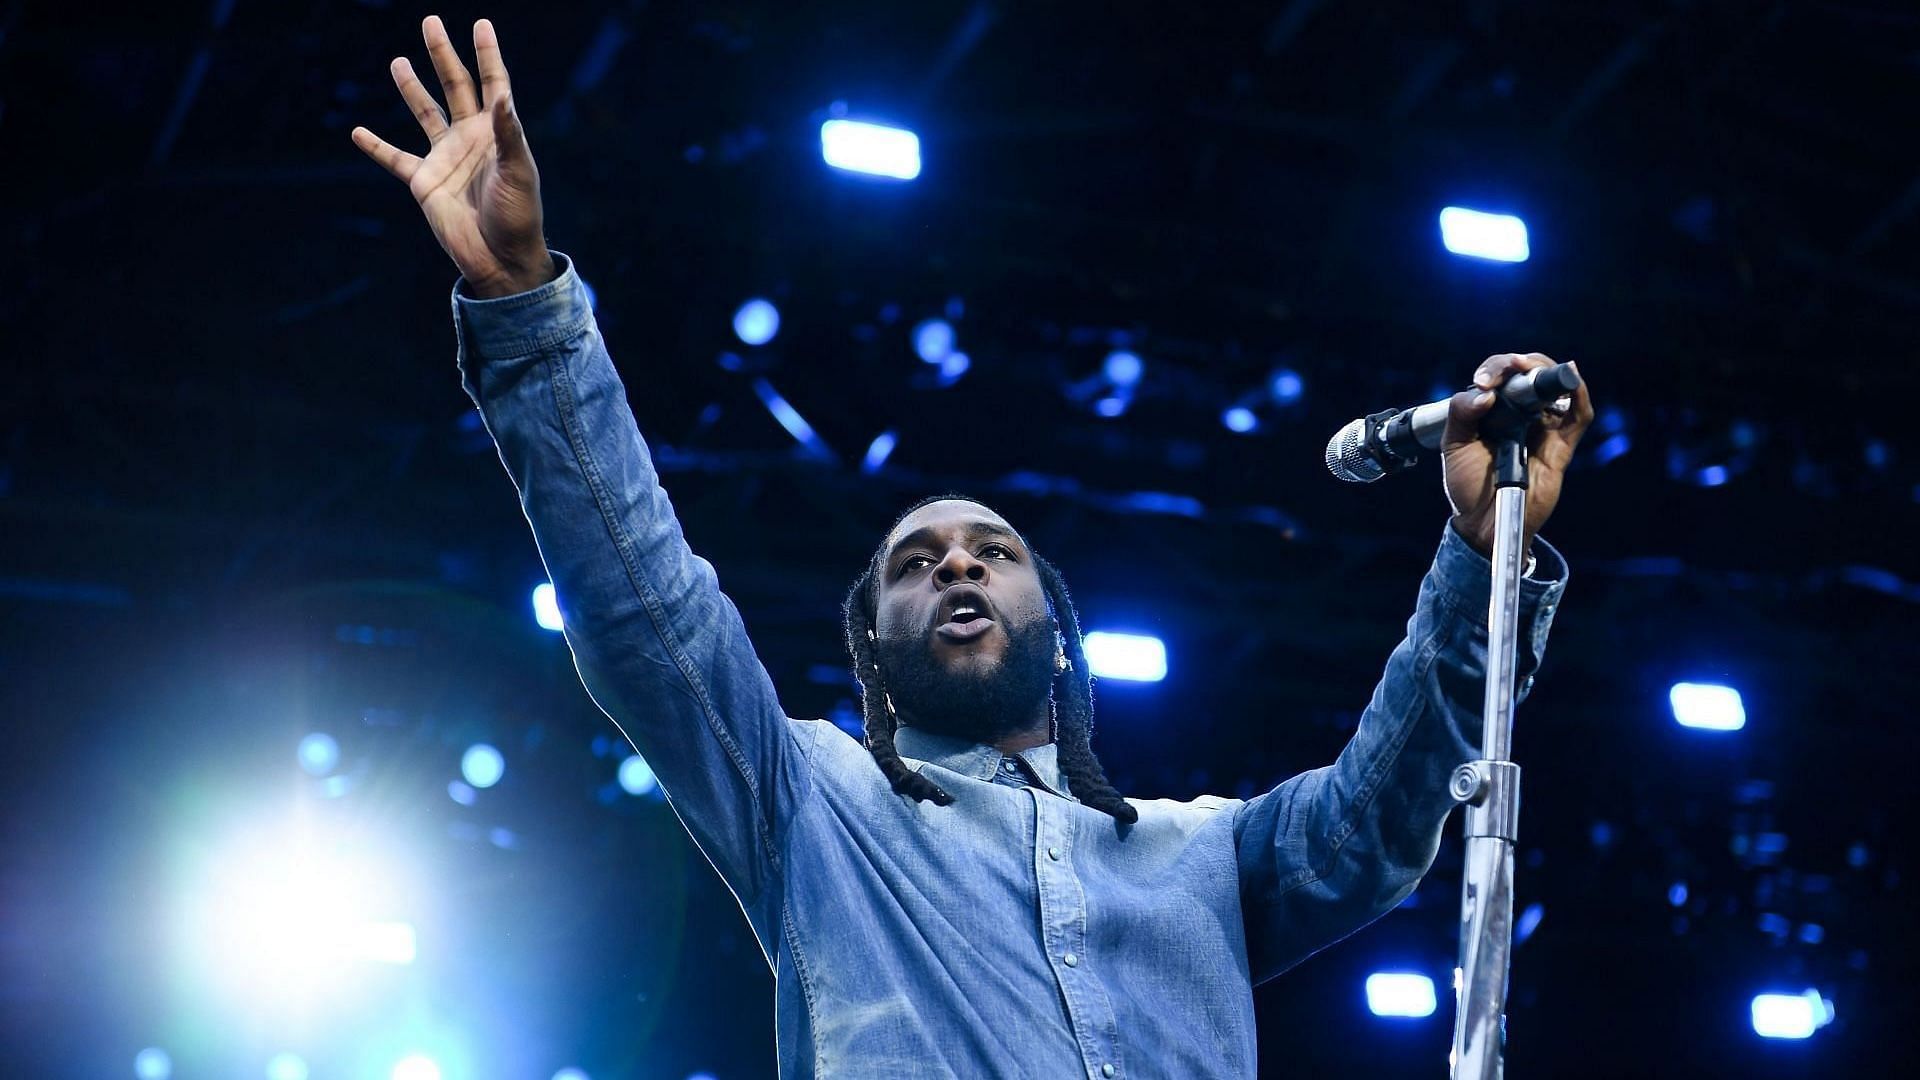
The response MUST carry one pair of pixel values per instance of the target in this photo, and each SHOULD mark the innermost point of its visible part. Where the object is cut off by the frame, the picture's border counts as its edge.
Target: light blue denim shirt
(1014, 933)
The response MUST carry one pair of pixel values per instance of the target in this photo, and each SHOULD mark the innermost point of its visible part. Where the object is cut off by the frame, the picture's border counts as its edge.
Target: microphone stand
(1490, 786)
(1388, 442)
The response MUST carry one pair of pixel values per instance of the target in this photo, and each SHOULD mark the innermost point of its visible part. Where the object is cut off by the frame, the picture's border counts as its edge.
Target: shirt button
(1053, 853)
(1009, 766)
(1107, 1069)
(1071, 960)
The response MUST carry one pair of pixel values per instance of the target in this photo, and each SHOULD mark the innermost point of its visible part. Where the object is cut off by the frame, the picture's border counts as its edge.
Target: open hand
(477, 185)
(1468, 461)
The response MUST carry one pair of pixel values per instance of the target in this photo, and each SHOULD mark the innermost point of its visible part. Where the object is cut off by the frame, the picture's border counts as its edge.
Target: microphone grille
(1347, 456)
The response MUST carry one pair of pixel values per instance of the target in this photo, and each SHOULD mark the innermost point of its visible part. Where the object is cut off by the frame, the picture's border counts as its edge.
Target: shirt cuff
(506, 327)
(1466, 577)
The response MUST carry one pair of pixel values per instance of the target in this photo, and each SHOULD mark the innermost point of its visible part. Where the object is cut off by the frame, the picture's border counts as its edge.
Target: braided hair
(1072, 691)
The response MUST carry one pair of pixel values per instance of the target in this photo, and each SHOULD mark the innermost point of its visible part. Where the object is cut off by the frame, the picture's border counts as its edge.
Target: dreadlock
(1072, 691)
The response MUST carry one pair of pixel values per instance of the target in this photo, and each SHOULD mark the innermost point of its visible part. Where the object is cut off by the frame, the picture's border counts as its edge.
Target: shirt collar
(977, 760)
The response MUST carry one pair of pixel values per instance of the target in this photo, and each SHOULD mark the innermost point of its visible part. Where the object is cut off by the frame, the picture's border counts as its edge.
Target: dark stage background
(243, 499)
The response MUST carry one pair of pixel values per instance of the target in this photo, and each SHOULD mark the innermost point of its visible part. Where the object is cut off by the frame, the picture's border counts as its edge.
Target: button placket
(1063, 927)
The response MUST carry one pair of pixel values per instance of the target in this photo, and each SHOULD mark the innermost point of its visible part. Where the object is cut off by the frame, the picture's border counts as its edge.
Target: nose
(959, 565)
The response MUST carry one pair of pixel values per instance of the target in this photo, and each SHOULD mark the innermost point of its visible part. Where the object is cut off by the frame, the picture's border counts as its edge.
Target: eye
(991, 549)
(914, 562)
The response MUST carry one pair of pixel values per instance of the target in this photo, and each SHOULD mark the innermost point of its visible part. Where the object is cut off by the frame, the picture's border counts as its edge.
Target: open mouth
(965, 615)
(964, 623)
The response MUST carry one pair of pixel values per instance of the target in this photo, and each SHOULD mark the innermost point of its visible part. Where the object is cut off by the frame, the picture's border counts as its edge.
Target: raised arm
(660, 648)
(1330, 850)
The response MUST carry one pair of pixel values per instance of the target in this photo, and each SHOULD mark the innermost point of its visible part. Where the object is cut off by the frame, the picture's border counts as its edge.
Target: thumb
(510, 140)
(1465, 410)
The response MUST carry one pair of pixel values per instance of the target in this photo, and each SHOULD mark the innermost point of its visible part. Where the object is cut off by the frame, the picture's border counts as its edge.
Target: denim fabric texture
(1015, 933)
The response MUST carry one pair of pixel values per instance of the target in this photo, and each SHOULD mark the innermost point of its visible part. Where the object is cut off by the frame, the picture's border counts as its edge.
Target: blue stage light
(571, 1074)
(482, 765)
(1677, 894)
(1132, 657)
(152, 1064)
(954, 365)
(1110, 406)
(1711, 476)
(874, 149)
(460, 792)
(933, 340)
(546, 607)
(319, 753)
(878, 451)
(1123, 368)
(1480, 235)
(1400, 994)
(1285, 386)
(636, 776)
(1528, 922)
(756, 322)
(1612, 447)
(286, 1067)
(416, 1067)
(1790, 1016)
(1240, 419)
(789, 417)
(1707, 706)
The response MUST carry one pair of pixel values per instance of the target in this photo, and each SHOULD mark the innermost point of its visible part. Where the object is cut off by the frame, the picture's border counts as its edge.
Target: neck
(1037, 733)
(1025, 740)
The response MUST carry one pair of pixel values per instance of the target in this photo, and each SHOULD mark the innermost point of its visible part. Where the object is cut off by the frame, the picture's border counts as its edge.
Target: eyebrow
(974, 530)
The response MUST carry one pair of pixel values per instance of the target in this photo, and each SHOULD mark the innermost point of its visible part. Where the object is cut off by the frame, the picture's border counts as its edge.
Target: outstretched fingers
(493, 70)
(455, 84)
(425, 109)
(391, 158)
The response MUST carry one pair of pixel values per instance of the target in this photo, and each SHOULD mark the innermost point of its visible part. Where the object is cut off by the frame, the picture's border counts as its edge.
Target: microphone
(1389, 441)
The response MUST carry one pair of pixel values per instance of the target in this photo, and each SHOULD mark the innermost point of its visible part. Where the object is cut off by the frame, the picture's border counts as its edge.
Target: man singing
(964, 895)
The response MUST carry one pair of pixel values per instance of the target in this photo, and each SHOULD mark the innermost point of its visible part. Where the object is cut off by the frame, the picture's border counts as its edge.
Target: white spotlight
(1790, 1016)
(289, 915)
(636, 776)
(482, 765)
(385, 942)
(1480, 235)
(1707, 706)
(1400, 993)
(757, 321)
(286, 1067)
(874, 149)
(416, 1067)
(1133, 657)
(546, 607)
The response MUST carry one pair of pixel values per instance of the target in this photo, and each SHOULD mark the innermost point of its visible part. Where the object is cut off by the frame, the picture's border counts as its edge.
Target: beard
(982, 705)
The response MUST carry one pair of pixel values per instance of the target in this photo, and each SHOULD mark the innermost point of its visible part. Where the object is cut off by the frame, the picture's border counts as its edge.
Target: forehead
(948, 515)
